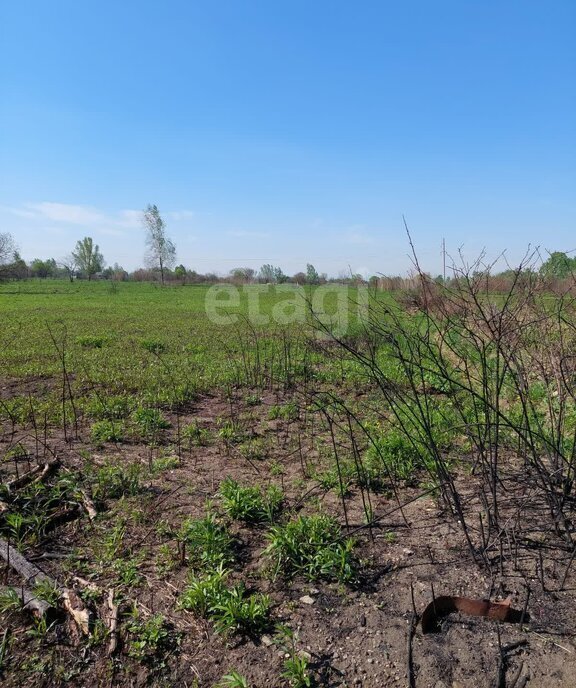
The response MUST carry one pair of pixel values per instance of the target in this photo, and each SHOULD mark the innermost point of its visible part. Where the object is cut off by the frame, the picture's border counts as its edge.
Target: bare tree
(68, 264)
(8, 253)
(7, 248)
(87, 257)
(161, 251)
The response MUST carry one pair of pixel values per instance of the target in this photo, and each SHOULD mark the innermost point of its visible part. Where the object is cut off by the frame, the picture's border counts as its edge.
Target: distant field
(135, 336)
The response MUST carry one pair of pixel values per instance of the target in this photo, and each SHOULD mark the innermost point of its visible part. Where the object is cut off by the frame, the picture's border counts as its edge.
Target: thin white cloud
(19, 212)
(65, 212)
(130, 218)
(86, 216)
(178, 215)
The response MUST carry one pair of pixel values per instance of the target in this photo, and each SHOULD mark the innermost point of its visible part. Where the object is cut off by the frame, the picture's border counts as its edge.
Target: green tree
(18, 268)
(180, 273)
(243, 275)
(270, 274)
(558, 265)
(312, 276)
(161, 251)
(87, 257)
(43, 268)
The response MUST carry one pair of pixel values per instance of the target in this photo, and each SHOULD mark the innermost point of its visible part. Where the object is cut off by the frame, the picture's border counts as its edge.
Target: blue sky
(289, 132)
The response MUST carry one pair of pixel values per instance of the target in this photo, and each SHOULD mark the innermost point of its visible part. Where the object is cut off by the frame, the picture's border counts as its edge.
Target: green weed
(237, 613)
(91, 342)
(250, 504)
(204, 592)
(149, 422)
(153, 346)
(112, 480)
(9, 601)
(311, 546)
(151, 639)
(195, 436)
(103, 431)
(233, 680)
(207, 542)
(230, 609)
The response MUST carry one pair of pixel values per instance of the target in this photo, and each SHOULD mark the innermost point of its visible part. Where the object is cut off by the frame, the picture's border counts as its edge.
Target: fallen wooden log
(36, 474)
(32, 575)
(29, 601)
(29, 572)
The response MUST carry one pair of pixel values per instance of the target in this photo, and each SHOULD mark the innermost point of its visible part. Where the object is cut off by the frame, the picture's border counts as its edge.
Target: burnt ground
(352, 635)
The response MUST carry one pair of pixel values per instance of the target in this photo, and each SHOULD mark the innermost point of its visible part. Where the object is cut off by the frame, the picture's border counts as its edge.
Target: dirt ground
(355, 635)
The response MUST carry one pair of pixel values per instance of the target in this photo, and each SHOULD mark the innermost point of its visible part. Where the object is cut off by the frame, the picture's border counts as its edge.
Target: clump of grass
(128, 570)
(195, 436)
(339, 478)
(112, 481)
(311, 546)
(113, 407)
(254, 449)
(36, 508)
(249, 503)
(393, 455)
(207, 541)
(230, 609)
(48, 591)
(233, 680)
(150, 421)
(150, 640)
(236, 612)
(204, 592)
(91, 342)
(103, 431)
(288, 411)
(10, 601)
(164, 463)
(153, 346)
(231, 431)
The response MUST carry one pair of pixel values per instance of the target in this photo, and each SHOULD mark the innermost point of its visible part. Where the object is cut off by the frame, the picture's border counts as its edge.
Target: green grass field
(170, 343)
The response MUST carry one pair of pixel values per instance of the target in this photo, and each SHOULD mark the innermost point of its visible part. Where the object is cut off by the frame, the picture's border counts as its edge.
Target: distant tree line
(87, 262)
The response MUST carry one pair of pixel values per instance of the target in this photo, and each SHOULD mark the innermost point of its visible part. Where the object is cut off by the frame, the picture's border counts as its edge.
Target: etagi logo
(334, 307)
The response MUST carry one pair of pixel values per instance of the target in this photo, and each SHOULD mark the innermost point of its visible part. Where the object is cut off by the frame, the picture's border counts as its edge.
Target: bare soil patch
(352, 635)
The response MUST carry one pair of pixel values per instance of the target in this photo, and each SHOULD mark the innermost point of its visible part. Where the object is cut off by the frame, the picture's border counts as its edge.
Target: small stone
(267, 640)
(306, 599)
